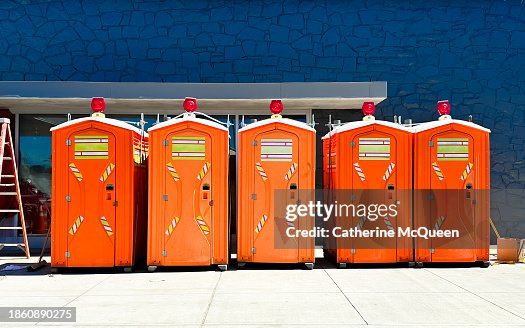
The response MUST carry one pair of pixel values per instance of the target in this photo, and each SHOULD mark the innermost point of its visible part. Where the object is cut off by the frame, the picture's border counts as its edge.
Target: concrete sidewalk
(278, 296)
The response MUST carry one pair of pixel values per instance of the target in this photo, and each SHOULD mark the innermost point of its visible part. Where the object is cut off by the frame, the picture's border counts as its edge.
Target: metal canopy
(130, 97)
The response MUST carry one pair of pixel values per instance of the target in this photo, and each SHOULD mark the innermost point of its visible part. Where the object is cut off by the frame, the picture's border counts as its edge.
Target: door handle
(109, 191)
(469, 187)
(390, 188)
(205, 192)
(293, 188)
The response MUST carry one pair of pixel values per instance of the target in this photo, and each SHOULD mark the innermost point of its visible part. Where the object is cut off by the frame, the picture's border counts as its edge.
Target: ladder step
(7, 154)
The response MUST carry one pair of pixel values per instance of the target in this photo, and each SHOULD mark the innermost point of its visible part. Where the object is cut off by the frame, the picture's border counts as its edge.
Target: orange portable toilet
(451, 190)
(188, 192)
(369, 163)
(98, 180)
(276, 163)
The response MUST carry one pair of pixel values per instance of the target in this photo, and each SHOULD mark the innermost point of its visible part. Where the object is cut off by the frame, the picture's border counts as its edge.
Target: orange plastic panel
(370, 157)
(453, 167)
(97, 217)
(188, 195)
(272, 156)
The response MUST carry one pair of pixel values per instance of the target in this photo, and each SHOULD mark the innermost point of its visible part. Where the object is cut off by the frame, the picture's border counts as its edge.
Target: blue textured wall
(470, 52)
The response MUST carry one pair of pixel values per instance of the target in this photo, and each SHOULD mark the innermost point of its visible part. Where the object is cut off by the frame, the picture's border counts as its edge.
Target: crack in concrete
(211, 300)
(349, 302)
(479, 296)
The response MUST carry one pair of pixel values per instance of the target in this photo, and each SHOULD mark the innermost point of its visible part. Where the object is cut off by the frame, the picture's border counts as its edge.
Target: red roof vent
(276, 107)
(369, 108)
(98, 104)
(190, 104)
(443, 107)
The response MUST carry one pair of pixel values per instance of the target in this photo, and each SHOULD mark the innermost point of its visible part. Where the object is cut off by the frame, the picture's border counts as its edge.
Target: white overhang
(134, 97)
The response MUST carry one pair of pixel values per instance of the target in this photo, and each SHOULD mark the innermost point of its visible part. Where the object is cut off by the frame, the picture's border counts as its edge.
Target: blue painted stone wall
(470, 52)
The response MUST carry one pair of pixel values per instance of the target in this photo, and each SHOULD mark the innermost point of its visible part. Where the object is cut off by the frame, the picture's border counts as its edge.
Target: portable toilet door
(188, 192)
(89, 227)
(373, 161)
(452, 189)
(276, 159)
(87, 158)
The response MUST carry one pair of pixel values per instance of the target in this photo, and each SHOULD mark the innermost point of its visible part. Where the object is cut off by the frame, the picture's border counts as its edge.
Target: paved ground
(278, 296)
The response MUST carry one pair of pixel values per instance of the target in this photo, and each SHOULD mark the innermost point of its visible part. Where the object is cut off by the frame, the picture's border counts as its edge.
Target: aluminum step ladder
(10, 188)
